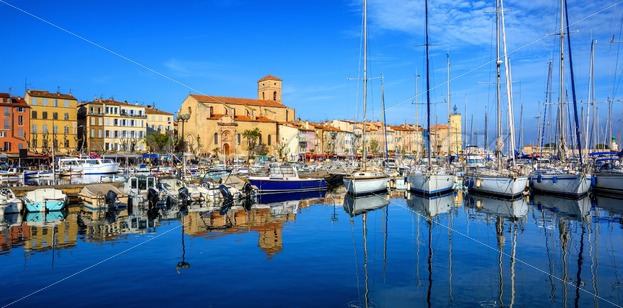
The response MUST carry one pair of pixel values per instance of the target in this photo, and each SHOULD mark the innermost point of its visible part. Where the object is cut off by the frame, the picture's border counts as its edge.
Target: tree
(374, 146)
(282, 150)
(252, 135)
(157, 142)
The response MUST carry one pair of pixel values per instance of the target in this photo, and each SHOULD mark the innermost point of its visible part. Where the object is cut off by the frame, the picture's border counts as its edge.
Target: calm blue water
(342, 252)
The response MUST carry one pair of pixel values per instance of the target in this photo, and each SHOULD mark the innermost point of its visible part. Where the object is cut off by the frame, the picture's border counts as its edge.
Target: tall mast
(498, 139)
(575, 104)
(562, 150)
(384, 125)
(509, 88)
(365, 78)
(427, 92)
(448, 58)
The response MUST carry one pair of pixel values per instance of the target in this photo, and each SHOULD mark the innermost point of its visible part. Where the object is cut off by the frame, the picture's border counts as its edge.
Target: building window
(20, 120)
(2, 134)
(44, 115)
(275, 95)
(7, 146)
(269, 140)
(215, 138)
(45, 102)
(55, 103)
(66, 116)
(238, 139)
(34, 129)
(6, 124)
(55, 115)
(20, 109)
(92, 133)
(66, 131)
(45, 129)
(34, 114)
(20, 146)
(20, 133)
(6, 111)
(33, 101)
(66, 104)
(66, 143)
(55, 127)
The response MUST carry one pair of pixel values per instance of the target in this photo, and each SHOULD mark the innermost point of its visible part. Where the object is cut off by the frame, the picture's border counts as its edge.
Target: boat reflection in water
(356, 205)
(360, 206)
(611, 203)
(576, 209)
(280, 197)
(431, 206)
(506, 208)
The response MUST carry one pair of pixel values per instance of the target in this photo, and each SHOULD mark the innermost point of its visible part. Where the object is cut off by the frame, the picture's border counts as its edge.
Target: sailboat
(364, 181)
(506, 183)
(563, 180)
(429, 181)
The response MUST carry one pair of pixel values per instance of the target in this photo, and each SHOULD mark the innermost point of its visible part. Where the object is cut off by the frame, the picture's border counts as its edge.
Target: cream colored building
(219, 122)
(114, 127)
(53, 122)
(158, 121)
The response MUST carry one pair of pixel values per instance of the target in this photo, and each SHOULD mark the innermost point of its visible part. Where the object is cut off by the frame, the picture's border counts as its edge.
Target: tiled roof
(15, 101)
(269, 77)
(236, 101)
(114, 102)
(154, 110)
(44, 93)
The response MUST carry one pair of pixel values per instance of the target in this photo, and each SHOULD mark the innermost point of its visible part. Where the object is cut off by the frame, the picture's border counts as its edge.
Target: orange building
(16, 124)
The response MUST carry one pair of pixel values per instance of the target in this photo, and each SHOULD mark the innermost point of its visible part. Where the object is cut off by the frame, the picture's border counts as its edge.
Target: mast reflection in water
(371, 251)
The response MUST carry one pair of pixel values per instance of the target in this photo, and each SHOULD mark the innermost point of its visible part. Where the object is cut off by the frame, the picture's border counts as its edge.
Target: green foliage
(374, 146)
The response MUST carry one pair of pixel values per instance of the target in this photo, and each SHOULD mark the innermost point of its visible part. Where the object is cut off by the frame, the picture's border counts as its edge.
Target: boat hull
(430, 184)
(609, 182)
(561, 184)
(503, 186)
(267, 185)
(365, 183)
(45, 199)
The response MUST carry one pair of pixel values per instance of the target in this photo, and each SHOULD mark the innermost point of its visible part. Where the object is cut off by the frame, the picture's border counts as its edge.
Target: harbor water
(333, 251)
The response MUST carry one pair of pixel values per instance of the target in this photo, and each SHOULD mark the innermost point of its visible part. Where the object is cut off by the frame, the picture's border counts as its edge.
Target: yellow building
(53, 122)
(217, 123)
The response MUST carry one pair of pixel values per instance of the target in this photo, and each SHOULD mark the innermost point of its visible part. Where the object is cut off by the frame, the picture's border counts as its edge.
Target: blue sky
(146, 52)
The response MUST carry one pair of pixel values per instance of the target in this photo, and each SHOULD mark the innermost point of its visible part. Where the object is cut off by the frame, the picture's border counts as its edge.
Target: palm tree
(252, 135)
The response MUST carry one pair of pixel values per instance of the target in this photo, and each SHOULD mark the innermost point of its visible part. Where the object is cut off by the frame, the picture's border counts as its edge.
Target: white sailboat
(364, 181)
(507, 183)
(430, 180)
(563, 180)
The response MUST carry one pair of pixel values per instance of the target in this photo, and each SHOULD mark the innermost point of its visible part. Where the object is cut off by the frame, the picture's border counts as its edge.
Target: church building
(216, 124)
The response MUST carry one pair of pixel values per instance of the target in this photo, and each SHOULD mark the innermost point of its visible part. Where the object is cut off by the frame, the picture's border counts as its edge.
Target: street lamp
(183, 117)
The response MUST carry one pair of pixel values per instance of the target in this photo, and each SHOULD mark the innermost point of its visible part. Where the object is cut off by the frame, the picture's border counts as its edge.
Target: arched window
(263, 98)
(275, 95)
(216, 138)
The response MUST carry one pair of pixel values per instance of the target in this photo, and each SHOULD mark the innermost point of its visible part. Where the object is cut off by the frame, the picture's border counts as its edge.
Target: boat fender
(478, 182)
(555, 180)
(539, 178)
(530, 182)
(594, 181)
